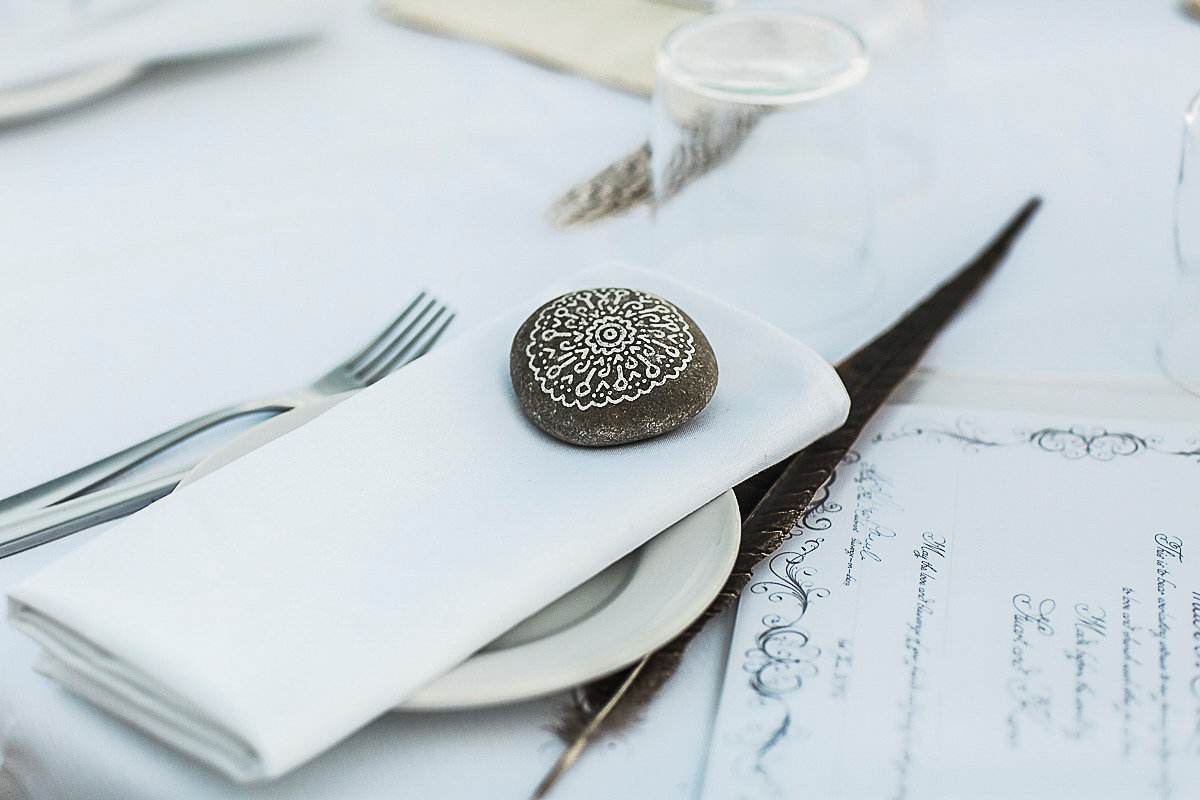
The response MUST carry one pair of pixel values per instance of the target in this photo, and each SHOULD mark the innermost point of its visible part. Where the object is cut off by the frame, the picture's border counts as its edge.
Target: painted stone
(609, 366)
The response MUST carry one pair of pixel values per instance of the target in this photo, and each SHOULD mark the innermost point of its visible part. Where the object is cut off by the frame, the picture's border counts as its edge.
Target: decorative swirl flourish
(815, 516)
(784, 656)
(1076, 442)
(782, 659)
(794, 581)
(964, 433)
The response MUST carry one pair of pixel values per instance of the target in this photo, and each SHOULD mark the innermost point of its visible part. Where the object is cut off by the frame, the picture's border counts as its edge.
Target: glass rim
(851, 73)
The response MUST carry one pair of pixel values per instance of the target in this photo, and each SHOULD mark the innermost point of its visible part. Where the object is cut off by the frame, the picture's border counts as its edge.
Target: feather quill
(779, 496)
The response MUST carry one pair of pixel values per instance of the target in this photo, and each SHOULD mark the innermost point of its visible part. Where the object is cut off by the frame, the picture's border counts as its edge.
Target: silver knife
(54, 522)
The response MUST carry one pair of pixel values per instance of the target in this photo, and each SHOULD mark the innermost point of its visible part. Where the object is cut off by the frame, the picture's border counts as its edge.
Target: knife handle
(69, 516)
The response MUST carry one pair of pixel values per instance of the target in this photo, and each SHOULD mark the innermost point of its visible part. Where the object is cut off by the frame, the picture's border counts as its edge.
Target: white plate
(636, 605)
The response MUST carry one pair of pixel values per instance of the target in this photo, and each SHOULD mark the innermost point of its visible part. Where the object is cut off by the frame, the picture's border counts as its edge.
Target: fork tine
(354, 362)
(433, 338)
(399, 357)
(382, 353)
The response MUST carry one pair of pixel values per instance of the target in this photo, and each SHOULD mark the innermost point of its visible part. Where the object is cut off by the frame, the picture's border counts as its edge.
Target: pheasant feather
(778, 498)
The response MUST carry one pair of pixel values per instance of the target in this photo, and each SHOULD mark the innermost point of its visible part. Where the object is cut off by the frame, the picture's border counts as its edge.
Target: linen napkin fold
(610, 41)
(262, 614)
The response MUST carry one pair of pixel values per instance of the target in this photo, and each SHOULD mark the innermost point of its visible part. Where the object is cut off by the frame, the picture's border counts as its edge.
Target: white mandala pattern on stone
(599, 347)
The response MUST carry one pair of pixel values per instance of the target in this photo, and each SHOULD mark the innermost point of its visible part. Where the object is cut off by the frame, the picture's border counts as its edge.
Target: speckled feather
(705, 143)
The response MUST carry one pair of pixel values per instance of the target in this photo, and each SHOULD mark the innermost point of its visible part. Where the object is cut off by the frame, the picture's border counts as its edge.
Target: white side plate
(26, 102)
(633, 607)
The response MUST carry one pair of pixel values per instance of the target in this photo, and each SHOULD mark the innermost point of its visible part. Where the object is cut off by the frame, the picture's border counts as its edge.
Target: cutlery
(71, 516)
(71, 502)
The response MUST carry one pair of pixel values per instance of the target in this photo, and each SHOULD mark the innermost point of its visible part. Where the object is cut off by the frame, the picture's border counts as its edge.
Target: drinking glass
(1179, 348)
(762, 191)
(903, 89)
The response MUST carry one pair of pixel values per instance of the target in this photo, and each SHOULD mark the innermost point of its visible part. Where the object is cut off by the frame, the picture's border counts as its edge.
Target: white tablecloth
(226, 228)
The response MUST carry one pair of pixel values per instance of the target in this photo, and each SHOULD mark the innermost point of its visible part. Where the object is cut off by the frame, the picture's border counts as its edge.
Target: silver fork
(408, 337)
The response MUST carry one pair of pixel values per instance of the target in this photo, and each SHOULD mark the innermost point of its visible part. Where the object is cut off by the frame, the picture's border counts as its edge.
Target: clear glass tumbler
(1179, 348)
(760, 163)
(903, 88)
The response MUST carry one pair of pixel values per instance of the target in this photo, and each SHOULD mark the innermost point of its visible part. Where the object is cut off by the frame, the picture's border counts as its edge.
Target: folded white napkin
(264, 613)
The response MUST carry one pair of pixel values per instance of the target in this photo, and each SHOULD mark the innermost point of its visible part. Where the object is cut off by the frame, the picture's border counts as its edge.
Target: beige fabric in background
(610, 41)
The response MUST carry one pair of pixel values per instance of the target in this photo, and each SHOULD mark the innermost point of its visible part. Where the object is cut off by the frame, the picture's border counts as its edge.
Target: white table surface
(227, 228)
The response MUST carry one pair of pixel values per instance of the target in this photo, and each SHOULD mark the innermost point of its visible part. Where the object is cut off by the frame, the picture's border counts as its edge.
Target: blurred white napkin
(269, 610)
(149, 32)
(610, 41)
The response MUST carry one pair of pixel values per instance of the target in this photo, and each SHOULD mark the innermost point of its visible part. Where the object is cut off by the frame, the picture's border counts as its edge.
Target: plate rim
(461, 688)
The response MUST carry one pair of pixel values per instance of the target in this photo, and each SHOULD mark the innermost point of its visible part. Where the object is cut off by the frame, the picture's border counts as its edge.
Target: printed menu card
(981, 604)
